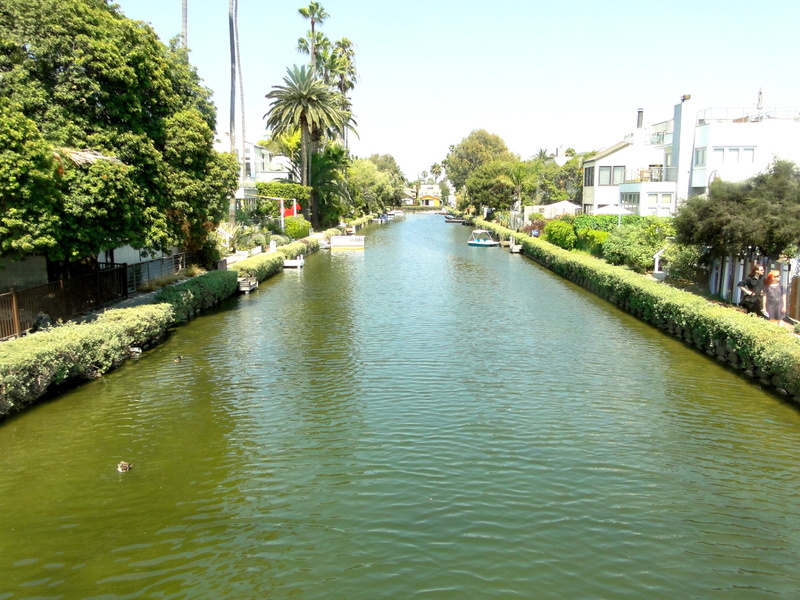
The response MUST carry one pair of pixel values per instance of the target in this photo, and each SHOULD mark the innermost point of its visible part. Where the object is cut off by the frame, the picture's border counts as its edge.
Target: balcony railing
(650, 174)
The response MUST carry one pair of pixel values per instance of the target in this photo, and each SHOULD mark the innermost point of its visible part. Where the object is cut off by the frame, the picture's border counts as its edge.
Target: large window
(700, 157)
(611, 175)
(588, 176)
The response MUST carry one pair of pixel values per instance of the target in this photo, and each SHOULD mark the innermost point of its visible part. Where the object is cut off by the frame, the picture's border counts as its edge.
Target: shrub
(591, 241)
(260, 266)
(561, 234)
(194, 295)
(683, 264)
(296, 227)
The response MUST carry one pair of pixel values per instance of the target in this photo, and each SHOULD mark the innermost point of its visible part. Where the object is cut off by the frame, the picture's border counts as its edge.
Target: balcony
(650, 174)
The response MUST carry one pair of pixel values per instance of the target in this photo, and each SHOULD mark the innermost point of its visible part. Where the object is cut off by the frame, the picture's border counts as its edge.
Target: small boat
(297, 263)
(450, 219)
(396, 212)
(481, 237)
(347, 242)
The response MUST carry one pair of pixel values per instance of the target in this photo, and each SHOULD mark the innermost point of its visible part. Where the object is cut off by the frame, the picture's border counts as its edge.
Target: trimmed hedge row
(31, 365)
(193, 296)
(34, 364)
(753, 345)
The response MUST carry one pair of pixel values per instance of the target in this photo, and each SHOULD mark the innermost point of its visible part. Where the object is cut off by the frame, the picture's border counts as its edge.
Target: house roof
(608, 151)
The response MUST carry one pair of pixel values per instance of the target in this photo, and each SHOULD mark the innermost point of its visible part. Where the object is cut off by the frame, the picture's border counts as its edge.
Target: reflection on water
(421, 419)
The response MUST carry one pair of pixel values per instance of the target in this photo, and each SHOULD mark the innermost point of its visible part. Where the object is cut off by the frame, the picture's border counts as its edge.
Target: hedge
(748, 343)
(199, 293)
(32, 365)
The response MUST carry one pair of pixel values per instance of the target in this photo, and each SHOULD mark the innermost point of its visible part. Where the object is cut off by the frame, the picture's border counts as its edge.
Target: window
(619, 175)
(605, 176)
(588, 176)
(748, 155)
(700, 157)
(719, 156)
(733, 155)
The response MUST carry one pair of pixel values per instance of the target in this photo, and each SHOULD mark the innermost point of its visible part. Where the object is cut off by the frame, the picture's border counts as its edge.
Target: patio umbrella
(612, 209)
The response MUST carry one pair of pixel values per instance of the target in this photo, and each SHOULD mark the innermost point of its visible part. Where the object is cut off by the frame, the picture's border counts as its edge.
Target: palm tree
(232, 36)
(303, 102)
(518, 173)
(345, 70)
(315, 13)
(436, 171)
(185, 23)
(542, 155)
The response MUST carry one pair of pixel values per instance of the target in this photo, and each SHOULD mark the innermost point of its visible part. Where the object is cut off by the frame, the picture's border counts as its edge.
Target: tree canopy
(762, 213)
(478, 148)
(77, 75)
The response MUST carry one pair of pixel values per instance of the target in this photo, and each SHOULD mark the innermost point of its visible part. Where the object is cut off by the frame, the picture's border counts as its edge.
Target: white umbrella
(612, 209)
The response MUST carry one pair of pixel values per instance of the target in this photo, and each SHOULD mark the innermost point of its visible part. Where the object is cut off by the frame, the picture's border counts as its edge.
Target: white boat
(481, 237)
(297, 263)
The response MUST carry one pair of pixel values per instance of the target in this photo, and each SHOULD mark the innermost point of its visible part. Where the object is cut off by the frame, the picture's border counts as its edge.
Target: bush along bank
(756, 348)
(34, 365)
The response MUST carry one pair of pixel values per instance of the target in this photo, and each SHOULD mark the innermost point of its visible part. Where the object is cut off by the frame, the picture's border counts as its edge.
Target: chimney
(639, 118)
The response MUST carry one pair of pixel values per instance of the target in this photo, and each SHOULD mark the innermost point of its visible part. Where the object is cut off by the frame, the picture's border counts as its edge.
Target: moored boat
(482, 237)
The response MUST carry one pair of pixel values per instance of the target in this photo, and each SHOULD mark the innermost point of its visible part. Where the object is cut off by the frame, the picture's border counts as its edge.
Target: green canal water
(422, 419)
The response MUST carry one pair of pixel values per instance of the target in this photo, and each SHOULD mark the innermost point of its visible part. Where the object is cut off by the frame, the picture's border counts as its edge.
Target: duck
(177, 359)
(123, 466)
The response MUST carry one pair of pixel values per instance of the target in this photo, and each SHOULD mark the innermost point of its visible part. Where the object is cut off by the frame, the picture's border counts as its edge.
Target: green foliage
(92, 79)
(296, 227)
(372, 190)
(491, 185)
(329, 183)
(762, 212)
(591, 241)
(194, 295)
(561, 234)
(636, 245)
(683, 263)
(261, 266)
(30, 365)
(607, 223)
(478, 148)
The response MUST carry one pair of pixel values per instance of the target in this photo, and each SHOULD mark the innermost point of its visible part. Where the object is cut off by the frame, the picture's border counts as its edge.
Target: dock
(295, 263)
(247, 284)
(347, 242)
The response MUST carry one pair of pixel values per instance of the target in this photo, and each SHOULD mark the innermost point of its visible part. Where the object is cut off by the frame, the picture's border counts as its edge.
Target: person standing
(774, 302)
(753, 290)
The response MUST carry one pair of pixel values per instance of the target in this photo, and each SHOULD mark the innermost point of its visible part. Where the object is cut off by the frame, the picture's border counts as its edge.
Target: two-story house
(657, 167)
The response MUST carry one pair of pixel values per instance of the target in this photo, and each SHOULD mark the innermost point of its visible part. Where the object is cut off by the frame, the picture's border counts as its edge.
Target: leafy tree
(478, 148)
(490, 185)
(371, 189)
(737, 218)
(268, 207)
(92, 79)
(388, 165)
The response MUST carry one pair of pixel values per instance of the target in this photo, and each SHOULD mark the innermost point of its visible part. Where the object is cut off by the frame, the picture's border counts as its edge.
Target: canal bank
(751, 346)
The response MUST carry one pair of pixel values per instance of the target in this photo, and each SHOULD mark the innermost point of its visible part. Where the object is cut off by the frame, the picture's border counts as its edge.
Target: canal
(422, 419)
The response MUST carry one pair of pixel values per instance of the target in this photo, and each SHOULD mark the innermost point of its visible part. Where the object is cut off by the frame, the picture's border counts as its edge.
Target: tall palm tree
(232, 37)
(185, 23)
(315, 13)
(344, 69)
(303, 102)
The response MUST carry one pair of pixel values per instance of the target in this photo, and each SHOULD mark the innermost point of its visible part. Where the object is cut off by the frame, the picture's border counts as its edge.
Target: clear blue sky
(540, 74)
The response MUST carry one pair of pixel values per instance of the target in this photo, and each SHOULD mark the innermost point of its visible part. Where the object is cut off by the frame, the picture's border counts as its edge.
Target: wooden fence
(61, 299)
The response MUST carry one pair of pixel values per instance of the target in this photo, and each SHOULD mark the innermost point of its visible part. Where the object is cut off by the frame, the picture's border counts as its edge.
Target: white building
(657, 167)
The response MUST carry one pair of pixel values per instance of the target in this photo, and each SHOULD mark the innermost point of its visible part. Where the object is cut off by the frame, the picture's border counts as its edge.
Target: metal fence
(141, 273)
(61, 299)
